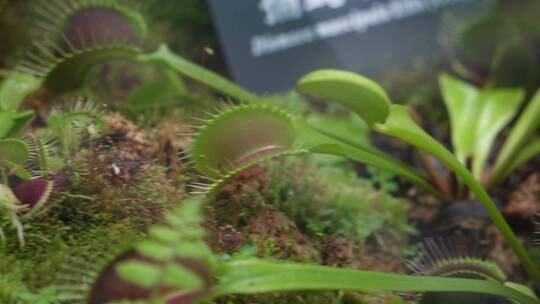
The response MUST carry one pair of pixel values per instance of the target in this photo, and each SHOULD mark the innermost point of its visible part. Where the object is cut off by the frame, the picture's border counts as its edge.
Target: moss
(328, 200)
(314, 211)
(111, 195)
(51, 248)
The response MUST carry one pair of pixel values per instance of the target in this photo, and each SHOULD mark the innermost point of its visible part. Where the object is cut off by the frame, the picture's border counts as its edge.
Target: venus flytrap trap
(246, 135)
(74, 36)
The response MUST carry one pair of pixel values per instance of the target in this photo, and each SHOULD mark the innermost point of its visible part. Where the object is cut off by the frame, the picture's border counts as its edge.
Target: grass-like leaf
(527, 123)
(255, 276)
(164, 57)
(527, 153)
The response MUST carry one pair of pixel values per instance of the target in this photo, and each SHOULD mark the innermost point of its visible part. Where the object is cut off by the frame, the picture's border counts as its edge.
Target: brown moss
(277, 236)
(173, 139)
(253, 179)
(341, 252)
(132, 143)
(524, 202)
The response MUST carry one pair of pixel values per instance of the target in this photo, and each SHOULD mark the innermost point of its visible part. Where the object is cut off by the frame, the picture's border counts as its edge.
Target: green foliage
(155, 95)
(350, 127)
(400, 124)
(382, 179)
(477, 116)
(524, 128)
(333, 202)
(46, 295)
(166, 58)
(294, 138)
(15, 88)
(180, 239)
(256, 276)
(71, 125)
(13, 151)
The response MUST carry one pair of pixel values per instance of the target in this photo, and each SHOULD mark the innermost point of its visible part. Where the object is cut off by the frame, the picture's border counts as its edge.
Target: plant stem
(442, 185)
(257, 276)
(165, 57)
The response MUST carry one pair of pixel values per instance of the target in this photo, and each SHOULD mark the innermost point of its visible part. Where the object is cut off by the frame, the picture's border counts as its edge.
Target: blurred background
(401, 43)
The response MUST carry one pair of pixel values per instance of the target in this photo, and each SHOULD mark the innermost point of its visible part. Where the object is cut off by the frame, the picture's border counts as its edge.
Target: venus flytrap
(73, 43)
(246, 135)
(399, 124)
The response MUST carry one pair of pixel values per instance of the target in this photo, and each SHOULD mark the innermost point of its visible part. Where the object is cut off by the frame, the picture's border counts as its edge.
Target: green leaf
(6, 123)
(477, 117)
(164, 234)
(140, 273)
(459, 98)
(155, 95)
(14, 151)
(363, 96)
(154, 250)
(178, 276)
(527, 153)
(353, 128)
(527, 123)
(165, 57)
(20, 121)
(192, 249)
(319, 140)
(377, 159)
(497, 108)
(245, 276)
(15, 88)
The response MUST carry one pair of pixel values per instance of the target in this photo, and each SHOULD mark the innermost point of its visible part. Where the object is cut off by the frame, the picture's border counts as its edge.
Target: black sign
(270, 44)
